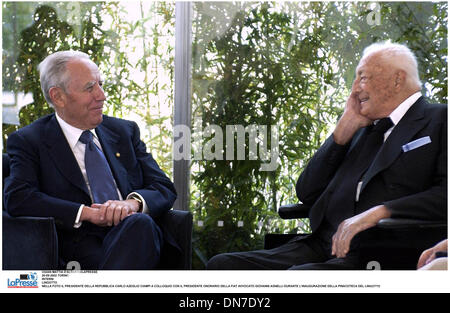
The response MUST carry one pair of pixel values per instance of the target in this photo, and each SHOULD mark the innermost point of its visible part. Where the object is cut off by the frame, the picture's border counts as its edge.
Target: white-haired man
(386, 158)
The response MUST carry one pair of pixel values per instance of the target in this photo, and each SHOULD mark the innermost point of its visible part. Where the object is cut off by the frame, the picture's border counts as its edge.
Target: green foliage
(290, 65)
(47, 34)
(140, 71)
(32, 31)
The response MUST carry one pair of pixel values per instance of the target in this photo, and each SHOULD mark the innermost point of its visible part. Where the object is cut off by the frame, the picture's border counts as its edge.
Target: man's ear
(400, 79)
(57, 96)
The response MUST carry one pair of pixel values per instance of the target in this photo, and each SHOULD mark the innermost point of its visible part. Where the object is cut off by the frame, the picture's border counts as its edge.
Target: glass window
(283, 69)
(131, 41)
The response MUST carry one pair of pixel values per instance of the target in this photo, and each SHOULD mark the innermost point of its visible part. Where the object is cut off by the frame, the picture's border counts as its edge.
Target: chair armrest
(292, 211)
(179, 225)
(398, 223)
(397, 243)
(29, 243)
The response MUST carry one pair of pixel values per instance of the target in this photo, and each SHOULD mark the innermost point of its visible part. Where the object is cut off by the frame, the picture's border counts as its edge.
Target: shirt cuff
(77, 223)
(144, 204)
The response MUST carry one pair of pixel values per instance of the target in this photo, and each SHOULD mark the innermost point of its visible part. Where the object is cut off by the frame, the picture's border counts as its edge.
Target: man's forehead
(370, 61)
(82, 71)
(80, 65)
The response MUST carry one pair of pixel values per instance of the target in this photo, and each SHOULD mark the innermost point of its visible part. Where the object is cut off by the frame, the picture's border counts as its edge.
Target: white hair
(53, 68)
(399, 56)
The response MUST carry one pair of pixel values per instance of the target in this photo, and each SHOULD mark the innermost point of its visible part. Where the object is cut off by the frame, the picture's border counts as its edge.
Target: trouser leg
(296, 251)
(350, 262)
(134, 244)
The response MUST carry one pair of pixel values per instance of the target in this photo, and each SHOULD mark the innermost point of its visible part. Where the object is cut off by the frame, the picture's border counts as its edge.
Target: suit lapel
(110, 142)
(62, 155)
(411, 123)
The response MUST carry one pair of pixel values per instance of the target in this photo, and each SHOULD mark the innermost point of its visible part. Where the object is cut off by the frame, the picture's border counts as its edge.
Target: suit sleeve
(320, 170)
(22, 190)
(157, 189)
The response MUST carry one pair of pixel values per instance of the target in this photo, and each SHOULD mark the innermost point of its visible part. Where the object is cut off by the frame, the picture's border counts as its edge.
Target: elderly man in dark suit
(90, 172)
(387, 157)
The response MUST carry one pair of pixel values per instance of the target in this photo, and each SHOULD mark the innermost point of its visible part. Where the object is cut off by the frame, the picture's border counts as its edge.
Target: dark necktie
(341, 204)
(364, 158)
(100, 178)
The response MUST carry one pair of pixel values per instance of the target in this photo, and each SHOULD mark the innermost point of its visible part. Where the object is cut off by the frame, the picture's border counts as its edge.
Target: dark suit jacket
(46, 180)
(411, 184)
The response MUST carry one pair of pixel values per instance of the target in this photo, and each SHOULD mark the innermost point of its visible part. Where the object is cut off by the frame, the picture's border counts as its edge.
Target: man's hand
(351, 120)
(352, 226)
(109, 213)
(430, 254)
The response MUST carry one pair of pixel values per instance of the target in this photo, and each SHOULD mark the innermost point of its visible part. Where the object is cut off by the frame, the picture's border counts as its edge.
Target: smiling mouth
(97, 108)
(364, 100)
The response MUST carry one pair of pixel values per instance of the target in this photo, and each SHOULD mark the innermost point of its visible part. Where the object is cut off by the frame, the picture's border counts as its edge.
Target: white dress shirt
(400, 111)
(72, 135)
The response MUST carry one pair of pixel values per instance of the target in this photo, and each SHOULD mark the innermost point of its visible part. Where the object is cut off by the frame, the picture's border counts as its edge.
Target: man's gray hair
(399, 56)
(53, 68)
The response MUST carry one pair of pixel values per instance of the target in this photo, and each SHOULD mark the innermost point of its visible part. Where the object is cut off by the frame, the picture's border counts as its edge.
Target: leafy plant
(287, 64)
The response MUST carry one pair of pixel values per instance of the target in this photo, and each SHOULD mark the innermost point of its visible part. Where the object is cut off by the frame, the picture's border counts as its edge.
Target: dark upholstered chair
(31, 243)
(406, 238)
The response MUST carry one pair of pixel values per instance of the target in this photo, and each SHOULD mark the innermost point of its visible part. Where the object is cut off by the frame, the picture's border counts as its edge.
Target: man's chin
(367, 114)
(364, 109)
(97, 120)
(100, 118)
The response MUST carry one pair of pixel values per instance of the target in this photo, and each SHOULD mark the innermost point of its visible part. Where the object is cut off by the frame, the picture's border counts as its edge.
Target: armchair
(31, 243)
(407, 239)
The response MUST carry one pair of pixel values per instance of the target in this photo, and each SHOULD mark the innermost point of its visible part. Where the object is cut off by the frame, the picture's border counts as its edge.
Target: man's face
(82, 100)
(375, 88)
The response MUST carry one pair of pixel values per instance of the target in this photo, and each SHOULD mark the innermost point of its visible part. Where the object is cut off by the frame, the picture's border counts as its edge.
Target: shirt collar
(72, 133)
(401, 110)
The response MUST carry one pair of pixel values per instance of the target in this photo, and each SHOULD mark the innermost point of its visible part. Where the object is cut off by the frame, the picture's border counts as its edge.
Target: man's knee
(219, 262)
(139, 220)
(140, 225)
(135, 243)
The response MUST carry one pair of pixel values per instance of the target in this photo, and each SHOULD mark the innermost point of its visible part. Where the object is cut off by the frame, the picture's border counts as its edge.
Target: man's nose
(99, 93)
(357, 86)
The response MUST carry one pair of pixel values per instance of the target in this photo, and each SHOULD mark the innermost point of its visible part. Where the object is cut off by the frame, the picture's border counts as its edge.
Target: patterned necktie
(100, 178)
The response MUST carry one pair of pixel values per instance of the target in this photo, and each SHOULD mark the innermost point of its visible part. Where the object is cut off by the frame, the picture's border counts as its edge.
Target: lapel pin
(118, 154)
